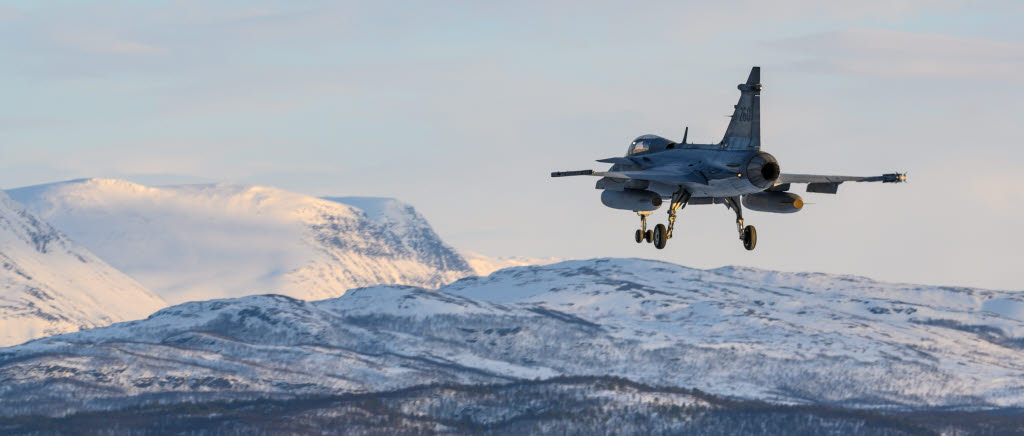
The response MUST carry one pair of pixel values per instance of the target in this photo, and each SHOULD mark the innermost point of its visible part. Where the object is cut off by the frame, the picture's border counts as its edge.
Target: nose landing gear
(661, 234)
(642, 234)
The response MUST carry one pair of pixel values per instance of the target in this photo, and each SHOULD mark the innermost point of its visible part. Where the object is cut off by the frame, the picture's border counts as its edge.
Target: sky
(462, 109)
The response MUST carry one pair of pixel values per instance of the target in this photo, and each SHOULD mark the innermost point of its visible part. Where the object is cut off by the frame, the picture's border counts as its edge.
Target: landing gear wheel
(639, 236)
(749, 238)
(660, 236)
(649, 236)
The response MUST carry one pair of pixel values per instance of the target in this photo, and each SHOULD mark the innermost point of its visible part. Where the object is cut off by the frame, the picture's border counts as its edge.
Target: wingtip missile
(894, 178)
(572, 173)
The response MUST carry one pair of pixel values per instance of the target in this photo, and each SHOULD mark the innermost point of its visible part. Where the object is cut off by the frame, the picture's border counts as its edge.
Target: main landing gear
(661, 234)
(747, 234)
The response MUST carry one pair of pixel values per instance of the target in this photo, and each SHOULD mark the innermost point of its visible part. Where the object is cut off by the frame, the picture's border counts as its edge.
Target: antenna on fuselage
(686, 133)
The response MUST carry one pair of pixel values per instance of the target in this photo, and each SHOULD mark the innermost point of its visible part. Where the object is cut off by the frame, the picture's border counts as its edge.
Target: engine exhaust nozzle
(763, 170)
(771, 171)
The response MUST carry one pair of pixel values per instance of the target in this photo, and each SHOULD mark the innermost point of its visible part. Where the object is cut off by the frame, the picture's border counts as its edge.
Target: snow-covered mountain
(49, 285)
(484, 265)
(416, 234)
(197, 242)
(781, 337)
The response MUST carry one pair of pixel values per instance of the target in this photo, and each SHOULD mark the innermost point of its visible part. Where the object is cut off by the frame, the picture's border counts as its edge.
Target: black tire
(749, 238)
(639, 236)
(660, 236)
(649, 236)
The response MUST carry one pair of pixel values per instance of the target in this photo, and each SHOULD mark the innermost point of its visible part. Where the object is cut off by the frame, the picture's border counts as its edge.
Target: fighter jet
(734, 172)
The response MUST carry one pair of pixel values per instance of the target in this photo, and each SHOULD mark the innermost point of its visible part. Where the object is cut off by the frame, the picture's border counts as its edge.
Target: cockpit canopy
(647, 143)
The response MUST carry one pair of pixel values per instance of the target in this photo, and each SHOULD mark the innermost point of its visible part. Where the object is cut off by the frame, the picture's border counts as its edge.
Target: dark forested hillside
(565, 405)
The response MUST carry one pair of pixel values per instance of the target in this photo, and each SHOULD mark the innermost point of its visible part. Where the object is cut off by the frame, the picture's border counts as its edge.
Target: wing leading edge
(825, 184)
(667, 175)
(652, 175)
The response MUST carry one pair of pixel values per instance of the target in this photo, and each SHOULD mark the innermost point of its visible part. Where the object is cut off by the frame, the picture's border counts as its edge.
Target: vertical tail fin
(744, 131)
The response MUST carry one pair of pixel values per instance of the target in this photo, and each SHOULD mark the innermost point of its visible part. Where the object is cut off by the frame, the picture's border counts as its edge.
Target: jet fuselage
(726, 171)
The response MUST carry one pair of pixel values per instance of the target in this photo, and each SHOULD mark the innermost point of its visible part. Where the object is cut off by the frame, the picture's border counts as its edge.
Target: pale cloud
(890, 53)
(996, 189)
(8, 13)
(28, 123)
(106, 43)
(708, 19)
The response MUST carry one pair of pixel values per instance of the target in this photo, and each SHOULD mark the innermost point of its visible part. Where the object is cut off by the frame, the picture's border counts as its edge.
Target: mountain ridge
(787, 338)
(196, 242)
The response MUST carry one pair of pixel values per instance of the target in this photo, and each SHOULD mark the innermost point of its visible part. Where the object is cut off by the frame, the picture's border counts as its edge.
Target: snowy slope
(48, 285)
(783, 337)
(485, 265)
(412, 230)
(197, 242)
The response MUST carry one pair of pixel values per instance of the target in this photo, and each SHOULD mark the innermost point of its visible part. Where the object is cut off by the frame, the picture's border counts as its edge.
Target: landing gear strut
(679, 200)
(661, 233)
(747, 234)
